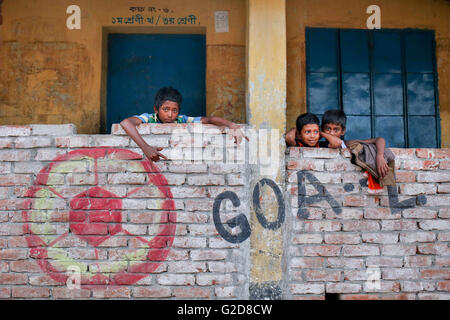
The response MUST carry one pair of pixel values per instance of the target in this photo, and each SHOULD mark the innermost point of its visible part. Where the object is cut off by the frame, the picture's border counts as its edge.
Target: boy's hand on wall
(152, 153)
(382, 167)
(237, 134)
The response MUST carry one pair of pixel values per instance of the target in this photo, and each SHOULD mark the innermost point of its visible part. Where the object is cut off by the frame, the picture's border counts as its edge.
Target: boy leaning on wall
(370, 154)
(166, 108)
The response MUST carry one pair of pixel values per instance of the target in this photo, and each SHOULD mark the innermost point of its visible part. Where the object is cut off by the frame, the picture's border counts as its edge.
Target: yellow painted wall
(419, 14)
(50, 74)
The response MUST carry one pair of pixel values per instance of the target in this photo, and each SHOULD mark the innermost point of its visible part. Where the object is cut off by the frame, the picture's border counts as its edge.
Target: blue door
(140, 64)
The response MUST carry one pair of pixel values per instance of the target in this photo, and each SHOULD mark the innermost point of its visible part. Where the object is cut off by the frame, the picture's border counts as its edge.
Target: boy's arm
(129, 125)
(290, 138)
(235, 129)
(333, 142)
(380, 143)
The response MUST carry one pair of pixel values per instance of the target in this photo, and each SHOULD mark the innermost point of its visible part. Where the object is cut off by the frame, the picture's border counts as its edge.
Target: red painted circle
(95, 215)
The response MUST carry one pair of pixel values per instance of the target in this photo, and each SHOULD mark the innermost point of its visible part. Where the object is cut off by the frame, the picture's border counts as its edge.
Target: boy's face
(168, 112)
(334, 129)
(309, 134)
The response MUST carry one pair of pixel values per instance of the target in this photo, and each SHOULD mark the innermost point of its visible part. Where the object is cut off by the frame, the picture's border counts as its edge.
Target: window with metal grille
(384, 80)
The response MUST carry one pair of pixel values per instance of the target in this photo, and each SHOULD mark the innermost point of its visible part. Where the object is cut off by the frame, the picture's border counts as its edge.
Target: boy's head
(307, 126)
(167, 104)
(333, 122)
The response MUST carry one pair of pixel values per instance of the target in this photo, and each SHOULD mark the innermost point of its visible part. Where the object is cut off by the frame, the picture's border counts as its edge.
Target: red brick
(380, 237)
(417, 236)
(398, 250)
(113, 292)
(442, 261)
(433, 177)
(208, 254)
(152, 292)
(433, 296)
(360, 250)
(189, 292)
(360, 225)
(355, 201)
(400, 273)
(433, 153)
(405, 176)
(380, 213)
(13, 254)
(322, 275)
(14, 180)
(5, 293)
(418, 261)
(66, 293)
(305, 164)
(419, 213)
(443, 286)
(321, 226)
(433, 248)
(398, 225)
(208, 279)
(399, 296)
(443, 274)
(12, 278)
(25, 292)
(307, 238)
(310, 262)
(322, 250)
(444, 165)
(420, 165)
(342, 238)
(343, 288)
(25, 266)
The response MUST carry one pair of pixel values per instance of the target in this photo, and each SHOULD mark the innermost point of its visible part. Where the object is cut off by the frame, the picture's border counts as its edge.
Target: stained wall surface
(89, 206)
(51, 74)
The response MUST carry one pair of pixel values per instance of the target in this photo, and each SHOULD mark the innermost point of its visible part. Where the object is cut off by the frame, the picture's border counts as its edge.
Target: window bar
(339, 70)
(405, 87)
(371, 84)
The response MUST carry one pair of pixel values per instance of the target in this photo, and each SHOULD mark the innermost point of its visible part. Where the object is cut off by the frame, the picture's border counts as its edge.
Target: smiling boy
(306, 132)
(167, 110)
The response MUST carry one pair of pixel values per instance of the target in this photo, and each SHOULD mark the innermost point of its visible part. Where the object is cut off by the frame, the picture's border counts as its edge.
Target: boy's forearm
(380, 143)
(129, 126)
(290, 137)
(334, 142)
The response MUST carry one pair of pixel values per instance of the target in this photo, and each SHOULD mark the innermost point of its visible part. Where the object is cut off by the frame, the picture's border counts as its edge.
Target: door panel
(140, 64)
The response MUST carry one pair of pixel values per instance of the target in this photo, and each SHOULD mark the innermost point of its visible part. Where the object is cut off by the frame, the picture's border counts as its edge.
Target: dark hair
(334, 116)
(306, 118)
(167, 94)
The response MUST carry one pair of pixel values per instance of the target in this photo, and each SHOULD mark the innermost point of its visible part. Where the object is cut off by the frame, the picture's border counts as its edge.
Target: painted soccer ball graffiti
(72, 223)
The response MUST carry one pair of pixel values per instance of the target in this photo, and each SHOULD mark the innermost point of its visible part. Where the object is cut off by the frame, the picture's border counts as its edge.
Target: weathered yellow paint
(266, 108)
(50, 74)
(398, 14)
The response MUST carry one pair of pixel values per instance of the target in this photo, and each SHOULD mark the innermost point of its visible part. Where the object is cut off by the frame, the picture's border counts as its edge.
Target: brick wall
(83, 216)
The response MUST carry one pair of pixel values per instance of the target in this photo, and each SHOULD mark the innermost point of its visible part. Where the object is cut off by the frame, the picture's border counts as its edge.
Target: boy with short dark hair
(333, 125)
(333, 130)
(306, 132)
(166, 110)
